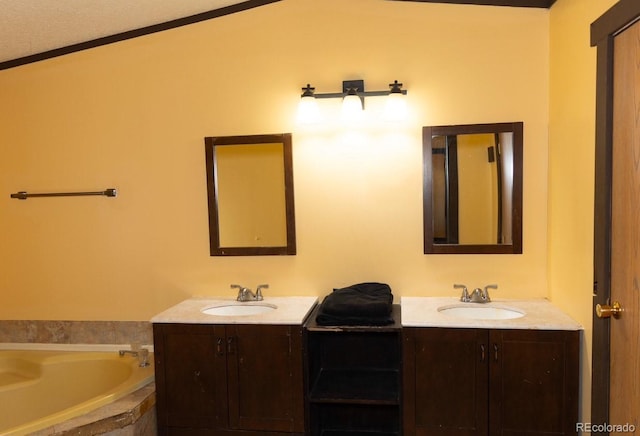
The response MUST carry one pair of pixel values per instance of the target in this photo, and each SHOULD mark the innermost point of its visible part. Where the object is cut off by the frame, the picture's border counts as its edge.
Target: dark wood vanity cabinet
(490, 382)
(354, 379)
(229, 379)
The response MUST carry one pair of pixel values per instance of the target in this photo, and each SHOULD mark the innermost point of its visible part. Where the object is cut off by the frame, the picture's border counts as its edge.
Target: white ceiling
(29, 27)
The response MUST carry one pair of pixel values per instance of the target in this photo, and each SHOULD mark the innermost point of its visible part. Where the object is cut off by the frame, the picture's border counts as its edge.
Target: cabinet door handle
(496, 349)
(231, 346)
(219, 349)
(483, 353)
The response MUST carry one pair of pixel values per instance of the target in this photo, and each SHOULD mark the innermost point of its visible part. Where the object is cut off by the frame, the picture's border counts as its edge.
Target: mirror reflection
(473, 188)
(250, 188)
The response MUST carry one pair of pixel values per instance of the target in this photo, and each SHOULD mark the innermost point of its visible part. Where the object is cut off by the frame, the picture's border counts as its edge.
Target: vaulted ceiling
(33, 30)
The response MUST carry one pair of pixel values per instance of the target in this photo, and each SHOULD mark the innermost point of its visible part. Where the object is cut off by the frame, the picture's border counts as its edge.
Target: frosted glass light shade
(395, 107)
(308, 111)
(352, 108)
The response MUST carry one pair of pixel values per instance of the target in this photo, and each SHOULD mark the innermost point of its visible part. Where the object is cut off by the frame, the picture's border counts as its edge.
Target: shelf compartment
(356, 385)
(354, 379)
(355, 420)
(357, 433)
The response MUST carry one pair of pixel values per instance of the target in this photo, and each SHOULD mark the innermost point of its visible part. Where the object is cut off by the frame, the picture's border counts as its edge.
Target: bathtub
(40, 388)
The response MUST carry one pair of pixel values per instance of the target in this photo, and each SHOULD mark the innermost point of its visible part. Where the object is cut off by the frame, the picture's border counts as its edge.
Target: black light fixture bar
(358, 87)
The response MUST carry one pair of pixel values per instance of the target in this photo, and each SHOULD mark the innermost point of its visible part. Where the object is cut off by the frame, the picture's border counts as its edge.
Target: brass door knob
(606, 311)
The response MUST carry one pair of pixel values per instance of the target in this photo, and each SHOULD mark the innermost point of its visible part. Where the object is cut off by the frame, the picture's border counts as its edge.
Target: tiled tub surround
(76, 332)
(132, 415)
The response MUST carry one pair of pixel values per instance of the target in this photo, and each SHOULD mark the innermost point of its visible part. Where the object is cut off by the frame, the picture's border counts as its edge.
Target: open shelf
(354, 379)
(356, 385)
(333, 419)
(357, 433)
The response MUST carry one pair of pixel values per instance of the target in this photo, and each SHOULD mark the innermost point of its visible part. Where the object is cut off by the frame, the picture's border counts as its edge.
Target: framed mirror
(250, 194)
(472, 189)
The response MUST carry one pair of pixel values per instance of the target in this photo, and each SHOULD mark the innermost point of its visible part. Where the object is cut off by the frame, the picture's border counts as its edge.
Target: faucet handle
(240, 289)
(465, 293)
(486, 291)
(143, 358)
(259, 296)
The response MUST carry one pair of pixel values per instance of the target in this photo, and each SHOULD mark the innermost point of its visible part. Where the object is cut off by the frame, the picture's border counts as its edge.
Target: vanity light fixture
(352, 95)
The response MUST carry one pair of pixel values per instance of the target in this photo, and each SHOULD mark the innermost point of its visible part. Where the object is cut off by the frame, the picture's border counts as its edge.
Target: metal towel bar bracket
(22, 195)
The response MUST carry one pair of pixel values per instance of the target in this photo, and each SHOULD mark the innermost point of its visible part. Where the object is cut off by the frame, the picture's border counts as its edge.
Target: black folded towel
(360, 304)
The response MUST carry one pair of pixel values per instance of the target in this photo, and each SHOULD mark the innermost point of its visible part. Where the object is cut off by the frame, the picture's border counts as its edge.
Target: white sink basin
(239, 309)
(480, 312)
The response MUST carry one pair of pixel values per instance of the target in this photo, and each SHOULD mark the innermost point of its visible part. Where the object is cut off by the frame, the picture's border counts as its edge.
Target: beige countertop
(539, 314)
(289, 311)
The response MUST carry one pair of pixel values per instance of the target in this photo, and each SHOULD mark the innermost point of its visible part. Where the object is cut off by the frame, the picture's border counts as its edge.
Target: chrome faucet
(465, 293)
(141, 353)
(477, 296)
(245, 294)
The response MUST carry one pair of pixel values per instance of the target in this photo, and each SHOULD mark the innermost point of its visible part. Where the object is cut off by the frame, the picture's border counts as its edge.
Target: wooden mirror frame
(214, 229)
(428, 132)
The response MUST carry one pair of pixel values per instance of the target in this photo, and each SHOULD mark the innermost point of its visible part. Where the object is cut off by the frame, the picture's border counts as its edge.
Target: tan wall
(133, 116)
(571, 166)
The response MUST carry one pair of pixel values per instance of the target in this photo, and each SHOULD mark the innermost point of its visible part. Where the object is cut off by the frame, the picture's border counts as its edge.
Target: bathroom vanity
(230, 374)
(474, 376)
(442, 368)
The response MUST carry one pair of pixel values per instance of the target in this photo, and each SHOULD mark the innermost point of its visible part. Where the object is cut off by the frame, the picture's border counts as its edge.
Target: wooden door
(190, 367)
(266, 391)
(615, 395)
(533, 382)
(616, 368)
(625, 231)
(445, 382)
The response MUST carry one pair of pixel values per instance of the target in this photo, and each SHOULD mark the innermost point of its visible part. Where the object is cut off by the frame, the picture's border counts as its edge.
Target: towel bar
(22, 195)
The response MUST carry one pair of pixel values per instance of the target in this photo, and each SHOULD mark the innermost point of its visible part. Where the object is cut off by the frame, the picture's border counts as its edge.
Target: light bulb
(395, 107)
(308, 111)
(352, 108)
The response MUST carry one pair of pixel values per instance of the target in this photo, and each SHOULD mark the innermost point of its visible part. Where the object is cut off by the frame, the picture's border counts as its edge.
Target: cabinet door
(190, 366)
(265, 378)
(534, 380)
(445, 381)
